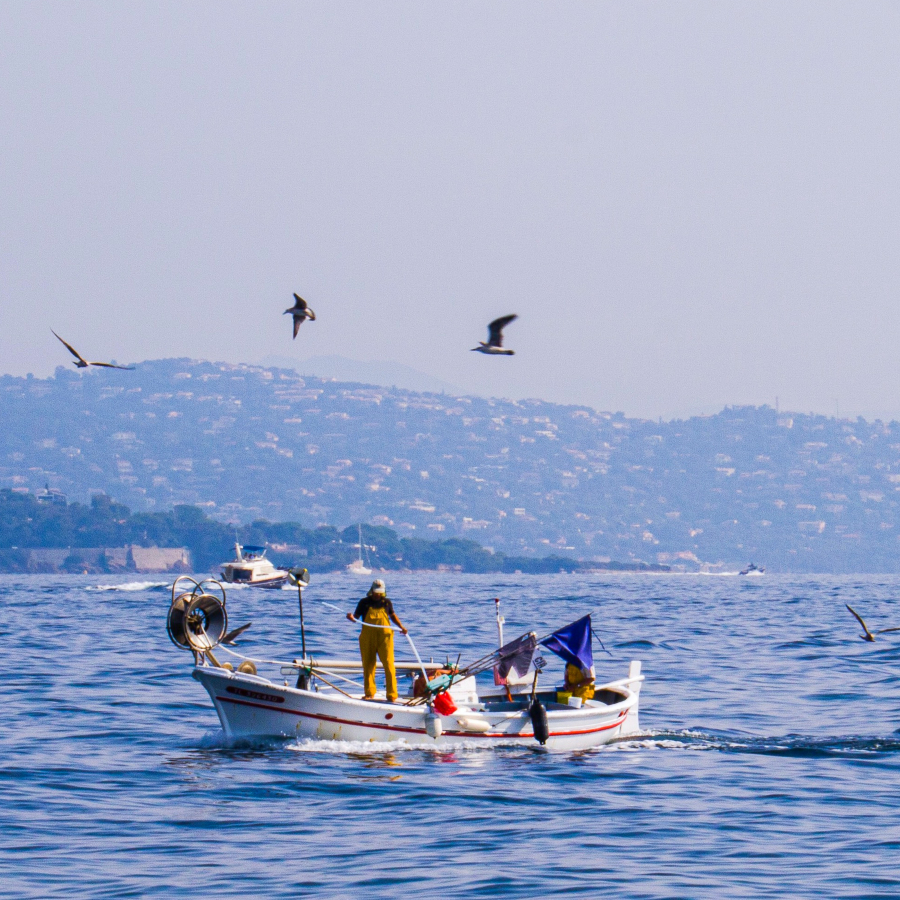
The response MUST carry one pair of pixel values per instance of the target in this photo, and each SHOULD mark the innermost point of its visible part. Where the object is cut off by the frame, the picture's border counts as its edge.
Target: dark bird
(81, 362)
(229, 638)
(868, 636)
(494, 345)
(300, 311)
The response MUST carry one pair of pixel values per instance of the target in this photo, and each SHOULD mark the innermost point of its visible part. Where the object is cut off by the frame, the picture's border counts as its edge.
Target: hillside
(793, 492)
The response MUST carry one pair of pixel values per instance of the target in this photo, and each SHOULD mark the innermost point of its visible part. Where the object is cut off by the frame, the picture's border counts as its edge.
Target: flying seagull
(81, 362)
(494, 345)
(229, 638)
(868, 636)
(300, 311)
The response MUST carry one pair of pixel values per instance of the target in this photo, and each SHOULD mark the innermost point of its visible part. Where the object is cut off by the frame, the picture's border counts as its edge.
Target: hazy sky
(688, 204)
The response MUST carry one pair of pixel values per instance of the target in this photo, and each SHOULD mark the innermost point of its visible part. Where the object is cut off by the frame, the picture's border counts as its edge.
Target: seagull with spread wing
(301, 312)
(494, 345)
(868, 636)
(229, 638)
(81, 362)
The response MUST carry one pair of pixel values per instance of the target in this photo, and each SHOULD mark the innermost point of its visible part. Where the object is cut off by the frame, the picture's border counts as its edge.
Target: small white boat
(358, 567)
(319, 699)
(251, 567)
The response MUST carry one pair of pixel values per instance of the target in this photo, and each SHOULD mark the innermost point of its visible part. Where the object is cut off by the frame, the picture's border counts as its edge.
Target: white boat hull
(250, 707)
(265, 581)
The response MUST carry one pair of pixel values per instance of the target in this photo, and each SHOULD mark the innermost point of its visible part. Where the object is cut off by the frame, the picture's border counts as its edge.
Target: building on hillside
(50, 495)
(160, 559)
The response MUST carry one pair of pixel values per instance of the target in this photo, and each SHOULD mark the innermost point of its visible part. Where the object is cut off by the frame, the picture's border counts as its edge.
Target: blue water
(769, 765)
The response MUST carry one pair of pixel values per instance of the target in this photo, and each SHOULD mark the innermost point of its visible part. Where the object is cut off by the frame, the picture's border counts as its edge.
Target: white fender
(474, 724)
(433, 725)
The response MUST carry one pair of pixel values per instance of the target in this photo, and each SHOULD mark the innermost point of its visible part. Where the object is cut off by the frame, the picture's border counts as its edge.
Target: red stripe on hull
(473, 734)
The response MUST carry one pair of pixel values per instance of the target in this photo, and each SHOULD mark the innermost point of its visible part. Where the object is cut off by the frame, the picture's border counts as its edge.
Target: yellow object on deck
(563, 697)
(575, 675)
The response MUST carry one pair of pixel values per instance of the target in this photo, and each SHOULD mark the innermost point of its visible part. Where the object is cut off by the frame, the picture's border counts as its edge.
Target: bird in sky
(868, 636)
(229, 638)
(300, 311)
(494, 345)
(81, 362)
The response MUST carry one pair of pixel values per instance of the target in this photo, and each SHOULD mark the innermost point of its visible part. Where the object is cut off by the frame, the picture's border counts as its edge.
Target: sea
(768, 764)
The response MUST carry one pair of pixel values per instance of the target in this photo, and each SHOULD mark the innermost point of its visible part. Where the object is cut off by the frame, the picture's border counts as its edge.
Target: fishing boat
(250, 567)
(318, 698)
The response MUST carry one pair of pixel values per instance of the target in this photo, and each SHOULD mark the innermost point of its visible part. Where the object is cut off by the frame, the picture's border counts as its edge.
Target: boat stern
(633, 683)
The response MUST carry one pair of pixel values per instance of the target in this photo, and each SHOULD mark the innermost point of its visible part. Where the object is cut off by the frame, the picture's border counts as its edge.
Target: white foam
(130, 586)
(658, 744)
(377, 747)
(670, 740)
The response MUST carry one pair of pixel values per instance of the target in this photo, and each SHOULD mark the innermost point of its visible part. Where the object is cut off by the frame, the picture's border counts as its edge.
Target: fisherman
(376, 609)
(579, 682)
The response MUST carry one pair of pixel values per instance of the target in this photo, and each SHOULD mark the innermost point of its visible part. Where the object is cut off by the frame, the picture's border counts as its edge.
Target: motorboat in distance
(752, 569)
(251, 567)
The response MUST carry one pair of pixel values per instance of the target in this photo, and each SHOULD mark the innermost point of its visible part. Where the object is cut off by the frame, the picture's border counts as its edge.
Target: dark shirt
(372, 602)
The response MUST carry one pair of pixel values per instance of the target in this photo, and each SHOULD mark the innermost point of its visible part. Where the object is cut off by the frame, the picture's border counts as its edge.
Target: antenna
(300, 578)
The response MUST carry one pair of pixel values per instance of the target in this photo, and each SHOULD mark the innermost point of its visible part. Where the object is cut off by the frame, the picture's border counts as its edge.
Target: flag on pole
(516, 655)
(573, 643)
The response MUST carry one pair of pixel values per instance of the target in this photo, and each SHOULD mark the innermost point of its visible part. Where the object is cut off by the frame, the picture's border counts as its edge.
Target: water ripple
(765, 768)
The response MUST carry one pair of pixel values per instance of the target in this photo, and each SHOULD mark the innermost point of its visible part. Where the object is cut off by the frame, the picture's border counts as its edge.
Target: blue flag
(573, 643)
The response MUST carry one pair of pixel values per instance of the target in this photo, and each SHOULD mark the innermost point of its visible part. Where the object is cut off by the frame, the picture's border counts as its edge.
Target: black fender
(538, 715)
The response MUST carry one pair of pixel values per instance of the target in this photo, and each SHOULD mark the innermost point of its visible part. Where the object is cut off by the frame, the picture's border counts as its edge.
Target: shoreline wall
(53, 560)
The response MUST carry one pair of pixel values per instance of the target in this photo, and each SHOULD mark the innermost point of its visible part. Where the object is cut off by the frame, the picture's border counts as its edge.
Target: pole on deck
(300, 577)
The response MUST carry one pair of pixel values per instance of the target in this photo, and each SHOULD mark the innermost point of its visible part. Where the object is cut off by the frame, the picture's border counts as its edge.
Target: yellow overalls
(573, 676)
(378, 642)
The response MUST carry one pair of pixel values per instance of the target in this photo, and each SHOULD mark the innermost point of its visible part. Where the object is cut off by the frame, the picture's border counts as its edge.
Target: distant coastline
(45, 534)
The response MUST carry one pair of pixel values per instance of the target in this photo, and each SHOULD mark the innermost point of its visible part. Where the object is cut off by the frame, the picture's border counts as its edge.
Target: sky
(689, 205)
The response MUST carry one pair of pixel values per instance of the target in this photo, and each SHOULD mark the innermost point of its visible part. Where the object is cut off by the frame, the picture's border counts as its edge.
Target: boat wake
(797, 746)
(215, 740)
(131, 586)
(793, 745)
(374, 748)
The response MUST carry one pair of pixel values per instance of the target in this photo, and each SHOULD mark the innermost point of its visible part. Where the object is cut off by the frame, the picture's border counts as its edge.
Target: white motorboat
(251, 567)
(317, 698)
